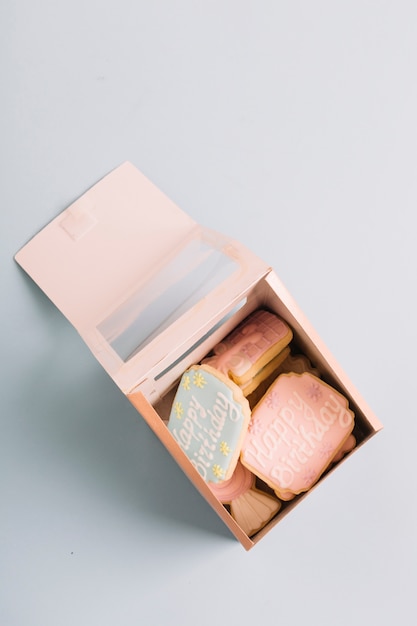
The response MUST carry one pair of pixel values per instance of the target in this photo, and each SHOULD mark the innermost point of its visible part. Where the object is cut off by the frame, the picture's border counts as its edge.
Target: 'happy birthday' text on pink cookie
(295, 432)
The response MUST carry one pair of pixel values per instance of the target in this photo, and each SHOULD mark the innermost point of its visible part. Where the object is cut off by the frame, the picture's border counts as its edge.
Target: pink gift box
(150, 291)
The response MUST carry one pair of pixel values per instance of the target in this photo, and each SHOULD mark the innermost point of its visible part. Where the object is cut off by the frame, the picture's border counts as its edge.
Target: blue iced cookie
(209, 418)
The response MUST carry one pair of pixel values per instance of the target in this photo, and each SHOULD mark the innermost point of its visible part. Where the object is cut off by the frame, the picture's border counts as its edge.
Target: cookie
(289, 362)
(209, 419)
(296, 430)
(268, 371)
(245, 354)
(297, 363)
(251, 508)
(349, 444)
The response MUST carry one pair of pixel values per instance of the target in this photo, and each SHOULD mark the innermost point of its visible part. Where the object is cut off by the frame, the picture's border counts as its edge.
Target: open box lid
(138, 278)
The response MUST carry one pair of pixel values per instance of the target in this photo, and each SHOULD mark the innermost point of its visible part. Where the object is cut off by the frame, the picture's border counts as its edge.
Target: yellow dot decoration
(178, 410)
(186, 383)
(218, 471)
(199, 380)
(224, 448)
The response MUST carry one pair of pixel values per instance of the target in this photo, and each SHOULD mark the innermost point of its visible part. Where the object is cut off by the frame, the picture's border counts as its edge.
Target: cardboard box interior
(268, 293)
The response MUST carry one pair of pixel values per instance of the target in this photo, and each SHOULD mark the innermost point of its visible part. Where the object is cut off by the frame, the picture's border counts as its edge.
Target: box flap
(93, 253)
(136, 276)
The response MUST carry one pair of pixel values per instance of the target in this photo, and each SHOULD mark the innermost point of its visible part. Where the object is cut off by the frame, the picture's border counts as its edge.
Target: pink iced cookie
(239, 483)
(297, 363)
(296, 431)
(250, 507)
(244, 353)
(348, 446)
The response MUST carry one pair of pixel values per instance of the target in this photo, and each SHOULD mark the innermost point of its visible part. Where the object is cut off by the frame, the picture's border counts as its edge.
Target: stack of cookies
(257, 422)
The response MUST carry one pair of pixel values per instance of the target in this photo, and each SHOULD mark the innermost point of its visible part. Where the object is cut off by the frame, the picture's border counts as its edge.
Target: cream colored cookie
(245, 354)
(251, 508)
(265, 373)
(297, 363)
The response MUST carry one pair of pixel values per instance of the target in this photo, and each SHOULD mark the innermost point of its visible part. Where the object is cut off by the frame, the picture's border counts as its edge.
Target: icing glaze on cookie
(209, 418)
(240, 482)
(257, 340)
(295, 432)
(349, 444)
(250, 507)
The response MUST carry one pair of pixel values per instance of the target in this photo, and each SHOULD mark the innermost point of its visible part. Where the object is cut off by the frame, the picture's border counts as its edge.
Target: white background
(291, 126)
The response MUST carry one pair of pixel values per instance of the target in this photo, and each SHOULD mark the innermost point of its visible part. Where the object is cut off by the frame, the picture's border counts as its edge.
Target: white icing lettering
(299, 453)
(216, 420)
(205, 425)
(186, 434)
(315, 436)
(203, 452)
(293, 436)
(289, 418)
(194, 404)
(327, 416)
(260, 454)
(192, 415)
(206, 442)
(214, 435)
(304, 448)
(283, 476)
(232, 411)
(281, 431)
